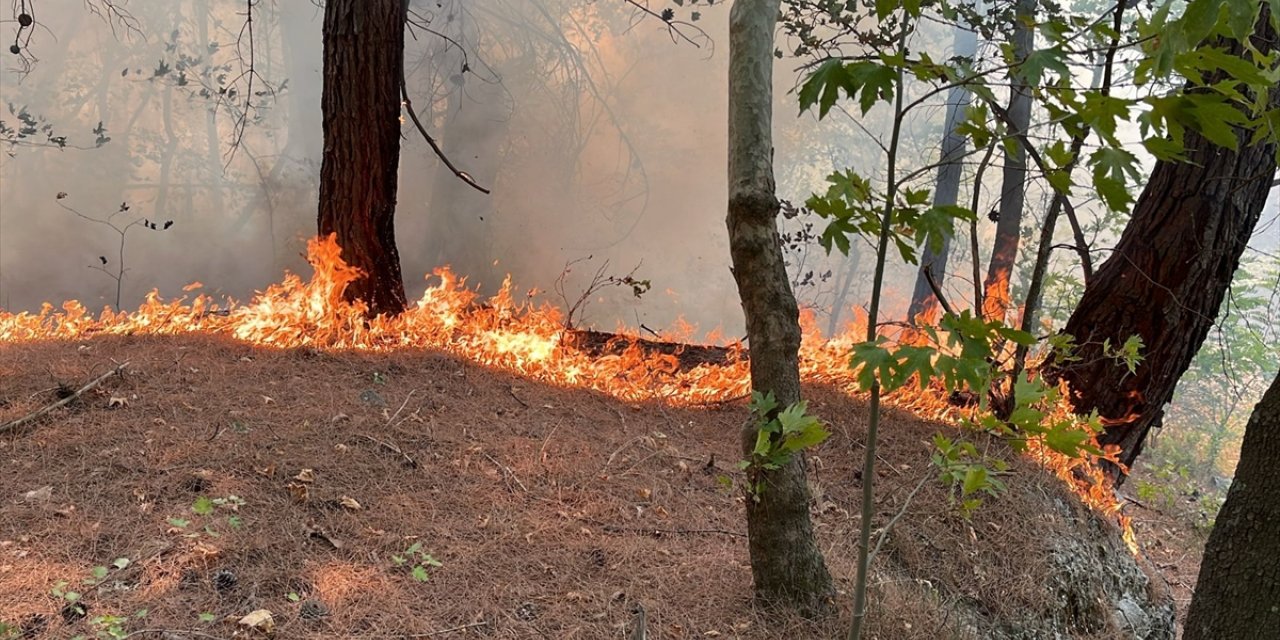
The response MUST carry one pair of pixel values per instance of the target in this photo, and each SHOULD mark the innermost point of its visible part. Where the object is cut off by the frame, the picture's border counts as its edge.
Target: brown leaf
(306, 475)
(298, 491)
(350, 503)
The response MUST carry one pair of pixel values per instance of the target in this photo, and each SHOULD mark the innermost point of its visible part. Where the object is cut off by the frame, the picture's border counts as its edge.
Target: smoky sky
(602, 137)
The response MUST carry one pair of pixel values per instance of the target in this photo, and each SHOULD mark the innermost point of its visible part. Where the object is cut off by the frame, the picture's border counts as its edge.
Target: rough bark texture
(947, 190)
(1013, 190)
(786, 565)
(1238, 592)
(1166, 279)
(363, 64)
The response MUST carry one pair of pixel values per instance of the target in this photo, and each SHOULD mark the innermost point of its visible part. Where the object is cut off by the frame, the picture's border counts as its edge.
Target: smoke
(600, 135)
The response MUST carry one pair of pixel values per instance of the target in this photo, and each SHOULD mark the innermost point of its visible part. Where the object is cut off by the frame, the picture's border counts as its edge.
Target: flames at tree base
(503, 332)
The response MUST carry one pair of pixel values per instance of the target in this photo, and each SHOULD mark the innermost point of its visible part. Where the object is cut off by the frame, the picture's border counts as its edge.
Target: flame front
(499, 332)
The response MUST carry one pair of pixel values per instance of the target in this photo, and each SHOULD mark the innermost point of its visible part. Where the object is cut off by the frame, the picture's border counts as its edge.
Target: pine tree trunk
(1013, 190)
(786, 564)
(1166, 279)
(1238, 592)
(363, 66)
(946, 191)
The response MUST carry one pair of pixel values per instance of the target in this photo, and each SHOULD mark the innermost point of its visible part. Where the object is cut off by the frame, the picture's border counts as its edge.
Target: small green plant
(967, 472)
(9, 631)
(206, 617)
(418, 562)
(780, 434)
(206, 507)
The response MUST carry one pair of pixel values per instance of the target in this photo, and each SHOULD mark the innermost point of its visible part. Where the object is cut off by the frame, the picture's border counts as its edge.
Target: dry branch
(31, 417)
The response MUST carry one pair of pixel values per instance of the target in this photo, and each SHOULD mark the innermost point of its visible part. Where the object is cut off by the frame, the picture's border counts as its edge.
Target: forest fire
(503, 332)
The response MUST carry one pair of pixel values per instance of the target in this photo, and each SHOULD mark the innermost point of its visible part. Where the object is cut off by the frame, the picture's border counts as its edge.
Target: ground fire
(504, 332)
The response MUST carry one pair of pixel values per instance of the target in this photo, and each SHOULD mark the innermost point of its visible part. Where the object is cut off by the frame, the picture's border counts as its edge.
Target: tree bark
(947, 190)
(786, 564)
(1166, 278)
(363, 66)
(1013, 190)
(1238, 592)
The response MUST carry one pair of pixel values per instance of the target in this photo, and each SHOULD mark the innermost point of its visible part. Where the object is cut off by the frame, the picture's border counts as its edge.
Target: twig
(391, 447)
(402, 405)
(680, 531)
(16, 424)
(507, 472)
(473, 625)
(413, 115)
(937, 291)
(517, 398)
(163, 632)
(884, 533)
(542, 452)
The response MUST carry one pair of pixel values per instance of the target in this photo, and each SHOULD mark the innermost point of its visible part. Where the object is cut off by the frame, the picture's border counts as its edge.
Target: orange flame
(500, 332)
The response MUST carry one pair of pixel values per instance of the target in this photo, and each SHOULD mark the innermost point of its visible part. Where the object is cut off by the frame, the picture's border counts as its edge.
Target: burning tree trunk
(1167, 276)
(363, 67)
(1239, 583)
(785, 562)
(1013, 190)
(946, 191)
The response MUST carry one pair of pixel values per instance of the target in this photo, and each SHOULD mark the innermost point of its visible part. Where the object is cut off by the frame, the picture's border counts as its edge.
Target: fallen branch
(408, 462)
(14, 425)
(650, 531)
(506, 471)
(473, 625)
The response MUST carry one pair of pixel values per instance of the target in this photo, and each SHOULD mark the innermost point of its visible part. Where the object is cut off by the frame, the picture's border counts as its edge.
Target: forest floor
(413, 495)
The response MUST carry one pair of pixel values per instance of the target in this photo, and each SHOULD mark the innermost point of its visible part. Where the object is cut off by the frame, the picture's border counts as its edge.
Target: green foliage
(780, 434)
(852, 207)
(417, 562)
(205, 509)
(968, 473)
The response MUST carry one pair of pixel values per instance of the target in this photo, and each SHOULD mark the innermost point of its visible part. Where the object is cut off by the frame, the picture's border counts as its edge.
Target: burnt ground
(552, 512)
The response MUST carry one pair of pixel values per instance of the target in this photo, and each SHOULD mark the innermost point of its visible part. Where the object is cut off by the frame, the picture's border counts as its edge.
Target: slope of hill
(410, 494)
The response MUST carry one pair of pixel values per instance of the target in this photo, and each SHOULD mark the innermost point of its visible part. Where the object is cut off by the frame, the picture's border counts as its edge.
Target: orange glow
(501, 332)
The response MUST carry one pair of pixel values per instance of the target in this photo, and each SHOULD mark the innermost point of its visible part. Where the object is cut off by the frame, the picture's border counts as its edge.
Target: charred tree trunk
(363, 66)
(1013, 190)
(1239, 583)
(947, 190)
(1166, 278)
(786, 565)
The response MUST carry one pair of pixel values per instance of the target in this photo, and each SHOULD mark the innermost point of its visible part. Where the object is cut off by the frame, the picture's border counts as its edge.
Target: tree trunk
(363, 67)
(1166, 278)
(786, 565)
(947, 191)
(1239, 585)
(1013, 189)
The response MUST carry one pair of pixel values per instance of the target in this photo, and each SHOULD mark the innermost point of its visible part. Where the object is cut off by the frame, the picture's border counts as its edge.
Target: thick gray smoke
(600, 134)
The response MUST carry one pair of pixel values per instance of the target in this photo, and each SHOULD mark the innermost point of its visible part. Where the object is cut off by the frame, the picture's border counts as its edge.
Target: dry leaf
(306, 475)
(117, 401)
(260, 620)
(43, 494)
(297, 491)
(268, 400)
(350, 503)
(267, 471)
